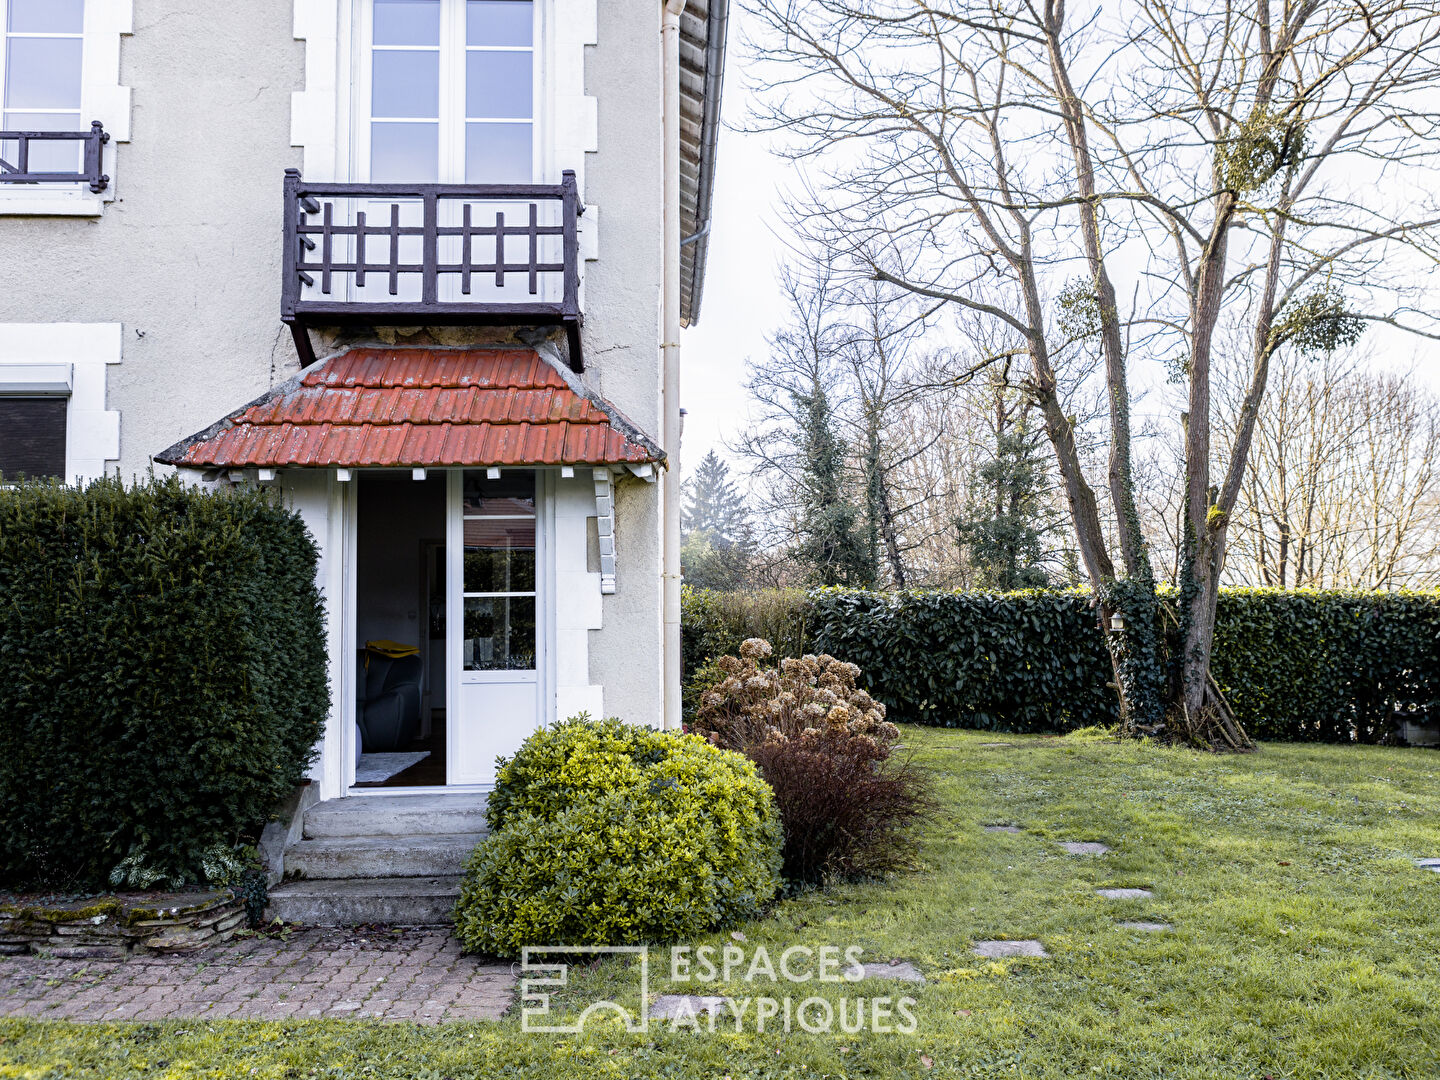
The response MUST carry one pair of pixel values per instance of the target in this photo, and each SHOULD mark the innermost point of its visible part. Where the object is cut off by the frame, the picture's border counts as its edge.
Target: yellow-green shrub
(604, 833)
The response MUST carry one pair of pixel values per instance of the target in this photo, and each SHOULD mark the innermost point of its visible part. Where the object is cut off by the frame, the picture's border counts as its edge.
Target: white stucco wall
(186, 258)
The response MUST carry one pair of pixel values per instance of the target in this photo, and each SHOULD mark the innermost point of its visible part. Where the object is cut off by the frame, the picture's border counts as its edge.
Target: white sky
(741, 302)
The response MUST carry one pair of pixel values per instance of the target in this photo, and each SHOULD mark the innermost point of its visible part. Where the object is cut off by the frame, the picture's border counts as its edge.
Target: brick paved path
(414, 975)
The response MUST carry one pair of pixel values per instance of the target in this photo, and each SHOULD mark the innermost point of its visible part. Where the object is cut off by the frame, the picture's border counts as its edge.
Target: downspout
(670, 365)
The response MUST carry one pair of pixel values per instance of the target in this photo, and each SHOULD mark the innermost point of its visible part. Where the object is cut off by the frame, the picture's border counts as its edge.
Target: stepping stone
(1085, 847)
(1004, 828)
(1429, 864)
(903, 970)
(1125, 894)
(1148, 927)
(998, 949)
(996, 745)
(685, 1006)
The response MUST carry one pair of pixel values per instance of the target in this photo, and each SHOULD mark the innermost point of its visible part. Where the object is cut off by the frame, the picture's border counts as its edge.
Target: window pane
(497, 154)
(513, 492)
(32, 437)
(499, 22)
(499, 555)
(406, 84)
(44, 156)
(404, 153)
(42, 73)
(407, 22)
(46, 16)
(498, 84)
(499, 633)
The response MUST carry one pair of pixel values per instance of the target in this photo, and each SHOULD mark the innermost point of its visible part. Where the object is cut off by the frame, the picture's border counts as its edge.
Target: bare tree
(1004, 160)
(1343, 490)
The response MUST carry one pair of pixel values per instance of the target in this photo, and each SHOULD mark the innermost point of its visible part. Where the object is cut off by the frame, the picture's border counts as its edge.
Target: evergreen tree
(1003, 534)
(717, 545)
(713, 506)
(833, 546)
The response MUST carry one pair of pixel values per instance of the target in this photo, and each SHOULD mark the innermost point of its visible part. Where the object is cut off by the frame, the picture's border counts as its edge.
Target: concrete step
(395, 901)
(433, 855)
(396, 815)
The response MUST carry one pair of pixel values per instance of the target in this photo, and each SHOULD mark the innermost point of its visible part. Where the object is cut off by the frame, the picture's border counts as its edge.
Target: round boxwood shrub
(605, 833)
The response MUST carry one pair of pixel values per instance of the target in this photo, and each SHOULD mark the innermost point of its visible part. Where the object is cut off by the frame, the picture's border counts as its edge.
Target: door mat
(375, 768)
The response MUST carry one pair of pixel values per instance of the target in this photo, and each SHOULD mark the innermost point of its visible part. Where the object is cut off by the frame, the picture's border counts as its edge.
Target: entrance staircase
(379, 859)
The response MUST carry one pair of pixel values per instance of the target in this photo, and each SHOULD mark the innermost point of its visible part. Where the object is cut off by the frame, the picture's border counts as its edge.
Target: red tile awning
(377, 407)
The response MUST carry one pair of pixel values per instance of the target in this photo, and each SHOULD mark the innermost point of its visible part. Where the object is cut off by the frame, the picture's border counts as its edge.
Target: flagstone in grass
(686, 1006)
(1125, 894)
(903, 970)
(1147, 927)
(1429, 864)
(1085, 847)
(996, 950)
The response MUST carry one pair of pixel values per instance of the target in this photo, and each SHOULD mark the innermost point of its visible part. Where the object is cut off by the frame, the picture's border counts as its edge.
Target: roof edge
(174, 455)
(718, 20)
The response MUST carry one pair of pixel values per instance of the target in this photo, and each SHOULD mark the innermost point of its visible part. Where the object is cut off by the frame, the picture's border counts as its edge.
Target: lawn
(1304, 941)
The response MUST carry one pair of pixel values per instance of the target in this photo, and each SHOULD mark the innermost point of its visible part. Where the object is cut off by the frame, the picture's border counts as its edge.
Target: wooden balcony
(429, 254)
(16, 150)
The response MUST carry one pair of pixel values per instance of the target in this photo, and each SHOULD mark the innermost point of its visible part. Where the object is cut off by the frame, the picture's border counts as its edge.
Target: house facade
(420, 265)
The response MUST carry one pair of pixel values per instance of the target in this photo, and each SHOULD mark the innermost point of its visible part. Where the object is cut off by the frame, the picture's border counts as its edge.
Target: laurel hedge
(1329, 666)
(162, 679)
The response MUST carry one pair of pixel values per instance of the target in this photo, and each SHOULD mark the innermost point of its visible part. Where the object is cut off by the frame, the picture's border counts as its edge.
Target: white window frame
(92, 432)
(101, 98)
(452, 112)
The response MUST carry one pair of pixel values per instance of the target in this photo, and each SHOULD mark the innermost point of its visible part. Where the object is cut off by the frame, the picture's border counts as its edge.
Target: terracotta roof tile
(421, 407)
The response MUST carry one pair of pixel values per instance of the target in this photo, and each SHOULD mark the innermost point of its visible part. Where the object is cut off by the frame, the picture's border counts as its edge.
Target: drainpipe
(670, 364)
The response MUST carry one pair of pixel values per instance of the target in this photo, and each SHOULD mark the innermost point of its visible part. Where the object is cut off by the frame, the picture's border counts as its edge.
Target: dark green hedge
(162, 677)
(1029, 661)
(1328, 666)
(1315, 666)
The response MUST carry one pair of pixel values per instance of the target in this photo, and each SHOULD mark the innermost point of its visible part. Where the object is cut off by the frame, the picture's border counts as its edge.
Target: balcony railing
(424, 254)
(16, 150)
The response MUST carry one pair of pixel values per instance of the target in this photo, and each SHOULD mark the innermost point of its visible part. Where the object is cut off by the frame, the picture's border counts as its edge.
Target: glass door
(495, 632)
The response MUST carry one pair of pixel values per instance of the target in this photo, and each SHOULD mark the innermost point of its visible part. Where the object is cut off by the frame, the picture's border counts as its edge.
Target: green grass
(1305, 941)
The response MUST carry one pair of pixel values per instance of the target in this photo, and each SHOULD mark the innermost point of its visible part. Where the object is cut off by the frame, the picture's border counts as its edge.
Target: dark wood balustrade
(16, 151)
(356, 255)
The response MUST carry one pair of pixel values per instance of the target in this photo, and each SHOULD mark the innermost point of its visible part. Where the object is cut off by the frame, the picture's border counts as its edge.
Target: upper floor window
(448, 92)
(40, 75)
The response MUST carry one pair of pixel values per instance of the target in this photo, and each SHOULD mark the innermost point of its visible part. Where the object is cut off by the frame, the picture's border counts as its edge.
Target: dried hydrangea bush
(811, 698)
(824, 746)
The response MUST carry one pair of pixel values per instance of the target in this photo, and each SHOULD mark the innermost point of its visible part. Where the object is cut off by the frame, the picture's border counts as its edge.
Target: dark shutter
(32, 436)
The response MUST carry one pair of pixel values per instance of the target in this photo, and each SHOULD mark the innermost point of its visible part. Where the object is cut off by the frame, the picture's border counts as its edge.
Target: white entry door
(496, 621)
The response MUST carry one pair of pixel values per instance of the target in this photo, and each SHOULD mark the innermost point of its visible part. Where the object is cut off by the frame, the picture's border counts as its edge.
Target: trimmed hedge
(1296, 665)
(162, 678)
(1328, 666)
(1029, 661)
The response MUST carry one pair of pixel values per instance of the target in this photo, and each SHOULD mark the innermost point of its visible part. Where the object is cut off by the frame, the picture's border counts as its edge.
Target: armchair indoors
(387, 707)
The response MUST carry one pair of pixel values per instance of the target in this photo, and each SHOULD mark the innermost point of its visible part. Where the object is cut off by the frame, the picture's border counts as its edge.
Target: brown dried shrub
(825, 747)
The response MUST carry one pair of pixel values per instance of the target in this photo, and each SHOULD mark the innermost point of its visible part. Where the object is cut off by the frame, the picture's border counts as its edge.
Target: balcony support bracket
(303, 346)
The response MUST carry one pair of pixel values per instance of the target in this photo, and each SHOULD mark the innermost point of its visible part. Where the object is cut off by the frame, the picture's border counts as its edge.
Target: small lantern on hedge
(1117, 623)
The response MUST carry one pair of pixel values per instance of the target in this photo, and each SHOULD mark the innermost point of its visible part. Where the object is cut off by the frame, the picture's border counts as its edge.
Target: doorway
(451, 624)
(400, 597)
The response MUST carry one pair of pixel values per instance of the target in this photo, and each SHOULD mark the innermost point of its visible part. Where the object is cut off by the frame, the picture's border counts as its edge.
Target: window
(40, 72)
(32, 436)
(451, 91)
(499, 584)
